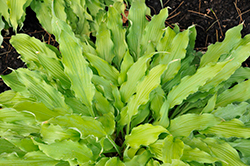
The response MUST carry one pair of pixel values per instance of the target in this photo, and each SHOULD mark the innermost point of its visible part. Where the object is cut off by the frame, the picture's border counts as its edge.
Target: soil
(211, 17)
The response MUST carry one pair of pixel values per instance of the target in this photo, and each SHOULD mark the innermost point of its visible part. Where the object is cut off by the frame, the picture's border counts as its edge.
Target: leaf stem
(117, 148)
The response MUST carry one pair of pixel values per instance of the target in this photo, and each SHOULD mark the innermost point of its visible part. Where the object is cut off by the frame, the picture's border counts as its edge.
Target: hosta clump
(138, 96)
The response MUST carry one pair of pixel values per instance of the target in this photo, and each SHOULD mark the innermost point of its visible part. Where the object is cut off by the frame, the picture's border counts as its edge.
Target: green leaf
(103, 67)
(140, 159)
(234, 94)
(54, 68)
(102, 105)
(85, 125)
(108, 122)
(52, 133)
(114, 161)
(175, 162)
(172, 149)
(21, 123)
(185, 124)
(138, 23)
(238, 57)
(232, 37)
(43, 13)
(190, 154)
(36, 158)
(191, 84)
(104, 44)
(1, 28)
(156, 149)
(127, 62)
(12, 81)
(242, 145)
(227, 154)
(144, 135)
(7, 147)
(16, 10)
(134, 74)
(143, 89)
(44, 92)
(231, 111)
(76, 67)
(156, 25)
(227, 129)
(39, 110)
(115, 24)
(29, 48)
(67, 150)
(210, 104)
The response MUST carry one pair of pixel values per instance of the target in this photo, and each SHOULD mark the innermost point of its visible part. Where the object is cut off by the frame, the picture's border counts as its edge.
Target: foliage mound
(137, 95)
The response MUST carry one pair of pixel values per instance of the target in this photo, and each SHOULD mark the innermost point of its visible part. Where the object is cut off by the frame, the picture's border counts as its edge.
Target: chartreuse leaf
(67, 150)
(10, 98)
(1, 27)
(138, 23)
(52, 133)
(103, 67)
(185, 124)
(104, 44)
(175, 162)
(141, 159)
(36, 158)
(13, 82)
(153, 162)
(29, 48)
(227, 129)
(238, 56)
(114, 161)
(102, 161)
(44, 92)
(227, 154)
(178, 48)
(25, 144)
(4, 10)
(156, 149)
(157, 98)
(76, 68)
(134, 74)
(54, 68)
(102, 105)
(172, 149)
(195, 154)
(143, 89)
(115, 24)
(234, 94)
(210, 104)
(147, 133)
(77, 106)
(191, 84)
(232, 37)
(108, 122)
(127, 62)
(176, 51)
(104, 86)
(85, 125)
(16, 10)
(156, 25)
(22, 123)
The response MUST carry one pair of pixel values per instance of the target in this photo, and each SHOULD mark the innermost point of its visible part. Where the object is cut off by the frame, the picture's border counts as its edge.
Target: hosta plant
(137, 95)
(79, 14)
